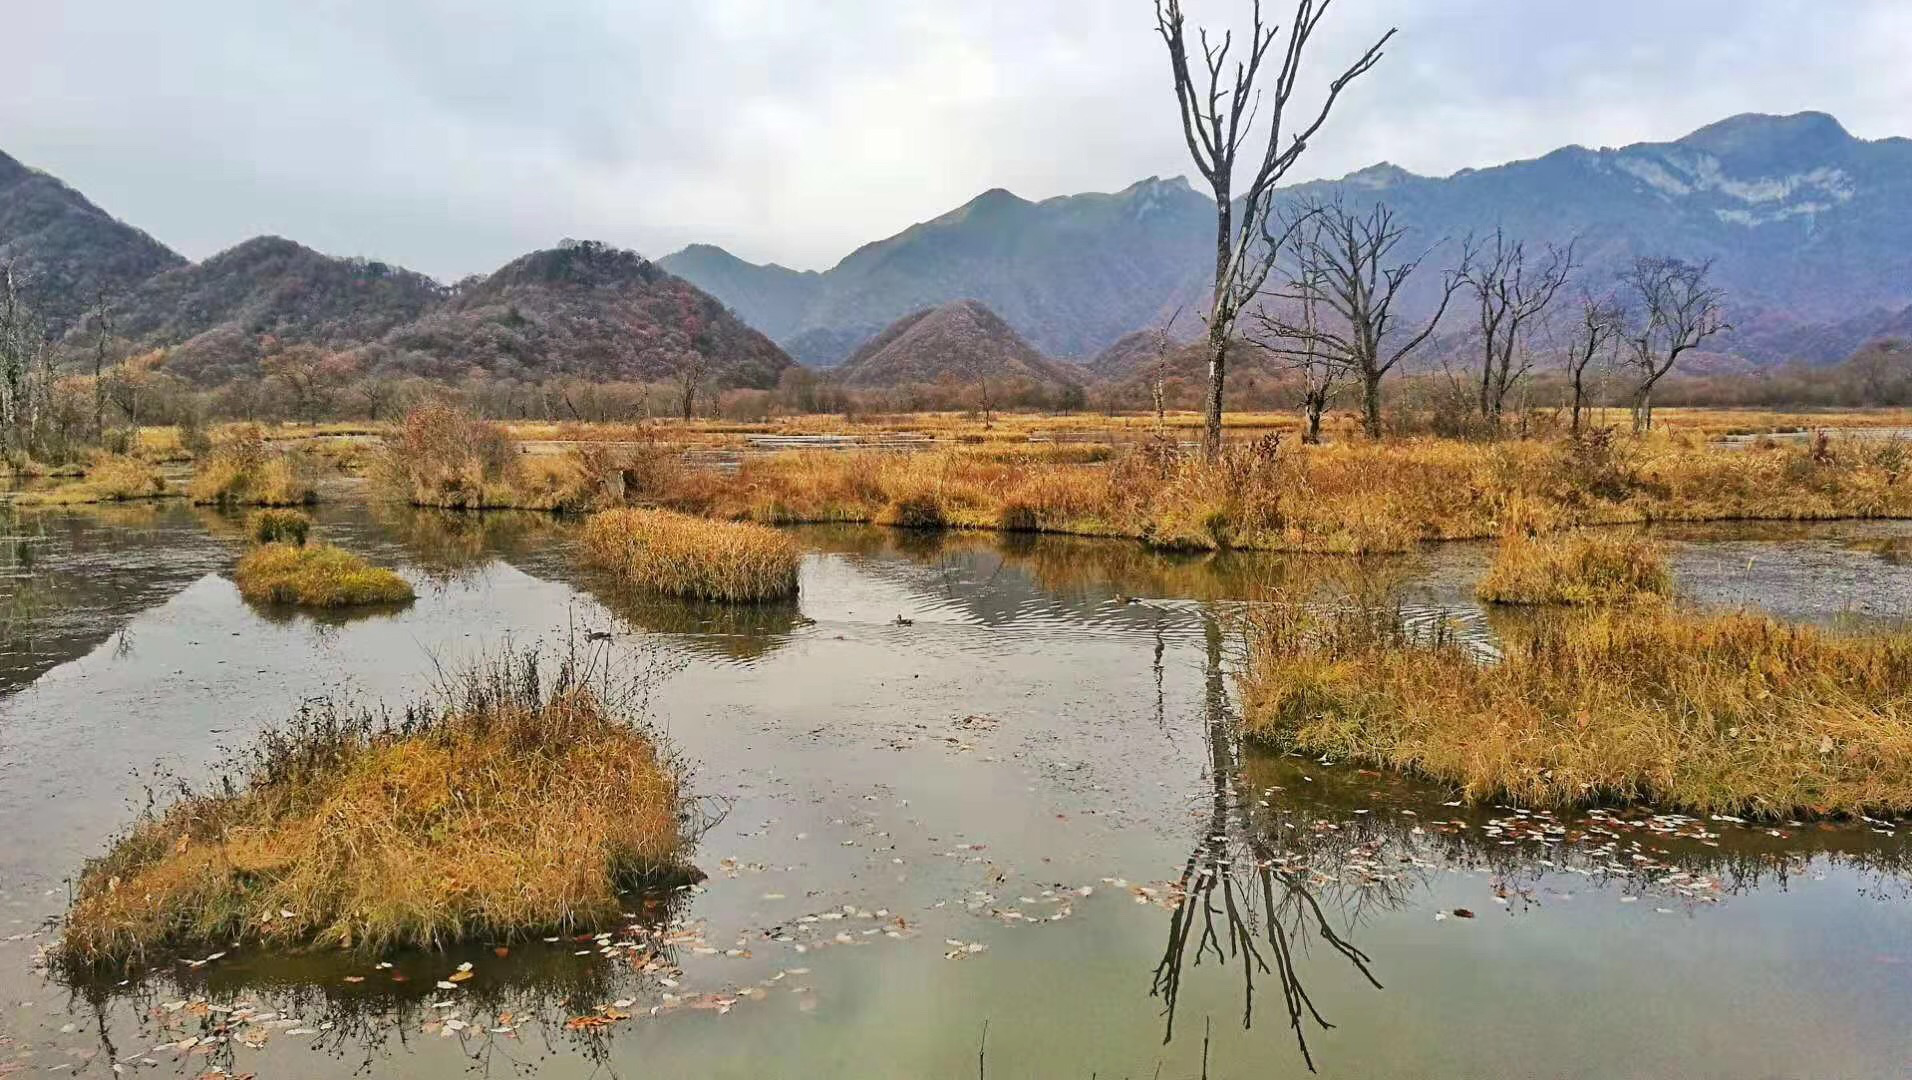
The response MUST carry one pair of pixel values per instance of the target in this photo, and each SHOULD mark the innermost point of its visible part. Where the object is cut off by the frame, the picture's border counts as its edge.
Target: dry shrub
(110, 479)
(517, 804)
(1735, 714)
(679, 555)
(1585, 568)
(443, 457)
(242, 469)
(317, 575)
(279, 527)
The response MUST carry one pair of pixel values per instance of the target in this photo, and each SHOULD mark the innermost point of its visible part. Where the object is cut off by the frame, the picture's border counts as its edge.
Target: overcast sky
(452, 135)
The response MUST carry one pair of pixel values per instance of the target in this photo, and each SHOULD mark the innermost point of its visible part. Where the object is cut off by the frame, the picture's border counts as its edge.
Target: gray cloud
(451, 136)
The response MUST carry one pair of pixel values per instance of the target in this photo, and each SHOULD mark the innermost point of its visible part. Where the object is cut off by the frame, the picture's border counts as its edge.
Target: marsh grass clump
(243, 469)
(1737, 714)
(110, 479)
(279, 527)
(519, 801)
(1582, 568)
(697, 559)
(316, 575)
(443, 457)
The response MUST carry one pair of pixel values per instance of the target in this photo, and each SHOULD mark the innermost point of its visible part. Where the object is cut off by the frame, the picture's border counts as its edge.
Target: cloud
(452, 136)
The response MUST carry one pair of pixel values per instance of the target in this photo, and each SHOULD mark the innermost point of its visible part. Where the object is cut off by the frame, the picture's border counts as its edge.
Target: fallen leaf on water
(1463, 913)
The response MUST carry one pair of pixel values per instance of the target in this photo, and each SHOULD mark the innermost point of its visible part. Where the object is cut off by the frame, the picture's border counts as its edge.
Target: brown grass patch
(316, 575)
(279, 527)
(518, 804)
(1583, 568)
(243, 469)
(110, 479)
(679, 555)
(1735, 714)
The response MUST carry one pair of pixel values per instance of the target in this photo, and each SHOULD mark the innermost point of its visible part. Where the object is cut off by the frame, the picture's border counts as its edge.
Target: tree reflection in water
(1242, 899)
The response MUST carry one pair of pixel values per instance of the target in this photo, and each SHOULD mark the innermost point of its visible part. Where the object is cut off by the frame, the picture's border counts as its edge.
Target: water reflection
(1240, 898)
(519, 1003)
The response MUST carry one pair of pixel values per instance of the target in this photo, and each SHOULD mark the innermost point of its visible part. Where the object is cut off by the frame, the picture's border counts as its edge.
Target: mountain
(587, 310)
(963, 341)
(214, 314)
(1071, 274)
(68, 250)
(1809, 229)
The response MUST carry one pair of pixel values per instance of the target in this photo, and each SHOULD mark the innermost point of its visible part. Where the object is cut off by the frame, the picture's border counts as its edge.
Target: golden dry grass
(444, 458)
(110, 479)
(1343, 498)
(679, 555)
(1582, 568)
(316, 575)
(279, 527)
(1734, 714)
(242, 469)
(518, 805)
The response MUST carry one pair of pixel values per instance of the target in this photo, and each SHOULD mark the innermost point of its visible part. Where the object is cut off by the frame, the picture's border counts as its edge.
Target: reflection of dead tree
(1235, 896)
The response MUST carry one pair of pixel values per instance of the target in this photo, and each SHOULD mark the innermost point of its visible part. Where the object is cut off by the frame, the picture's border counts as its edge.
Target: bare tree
(1162, 342)
(1601, 321)
(1220, 110)
(1677, 310)
(1301, 349)
(1510, 296)
(102, 334)
(1345, 267)
(690, 366)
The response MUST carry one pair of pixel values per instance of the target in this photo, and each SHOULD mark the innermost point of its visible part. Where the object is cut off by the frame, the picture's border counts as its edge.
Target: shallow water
(951, 743)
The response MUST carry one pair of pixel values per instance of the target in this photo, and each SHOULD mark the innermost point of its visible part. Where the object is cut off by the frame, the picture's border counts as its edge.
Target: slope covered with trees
(964, 342)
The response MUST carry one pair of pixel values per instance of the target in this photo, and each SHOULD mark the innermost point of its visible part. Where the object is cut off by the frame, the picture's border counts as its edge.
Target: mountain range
(586, 310)
(1809, 230)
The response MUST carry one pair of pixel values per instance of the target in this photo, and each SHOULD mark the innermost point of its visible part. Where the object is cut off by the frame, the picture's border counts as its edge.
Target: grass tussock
(1733, 713)
(518, 804)
(1582, 568)
(279, 527)
(110, 479)
(678, 555)
(316, 575)
(243, 469)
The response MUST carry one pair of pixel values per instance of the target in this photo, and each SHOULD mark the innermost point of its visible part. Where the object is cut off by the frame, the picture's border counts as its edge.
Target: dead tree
(1510, 297)
(1345, 267)
(1675, 310)
(1220, 110)
(690, 366)
(1601, 320)
(1300, 348)
(103, 332)
(1162, 341)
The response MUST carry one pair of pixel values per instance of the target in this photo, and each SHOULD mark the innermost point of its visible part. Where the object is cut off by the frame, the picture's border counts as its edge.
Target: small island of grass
(1582, 568)
(316, 575)
(519, 804)
(1735, 714)
(694, 558)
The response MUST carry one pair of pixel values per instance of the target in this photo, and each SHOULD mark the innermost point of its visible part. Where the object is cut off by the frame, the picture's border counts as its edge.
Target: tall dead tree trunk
(1600, 321)
(1220, 111)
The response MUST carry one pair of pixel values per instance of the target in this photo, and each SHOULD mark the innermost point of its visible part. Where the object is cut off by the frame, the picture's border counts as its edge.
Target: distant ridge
(962, 341)
(1809, 229)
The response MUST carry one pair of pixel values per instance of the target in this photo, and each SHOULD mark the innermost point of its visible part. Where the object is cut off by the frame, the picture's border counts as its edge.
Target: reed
(279, 527)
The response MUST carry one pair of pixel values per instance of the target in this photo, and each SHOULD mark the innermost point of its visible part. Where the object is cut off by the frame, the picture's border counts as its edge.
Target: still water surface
(983, 811)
